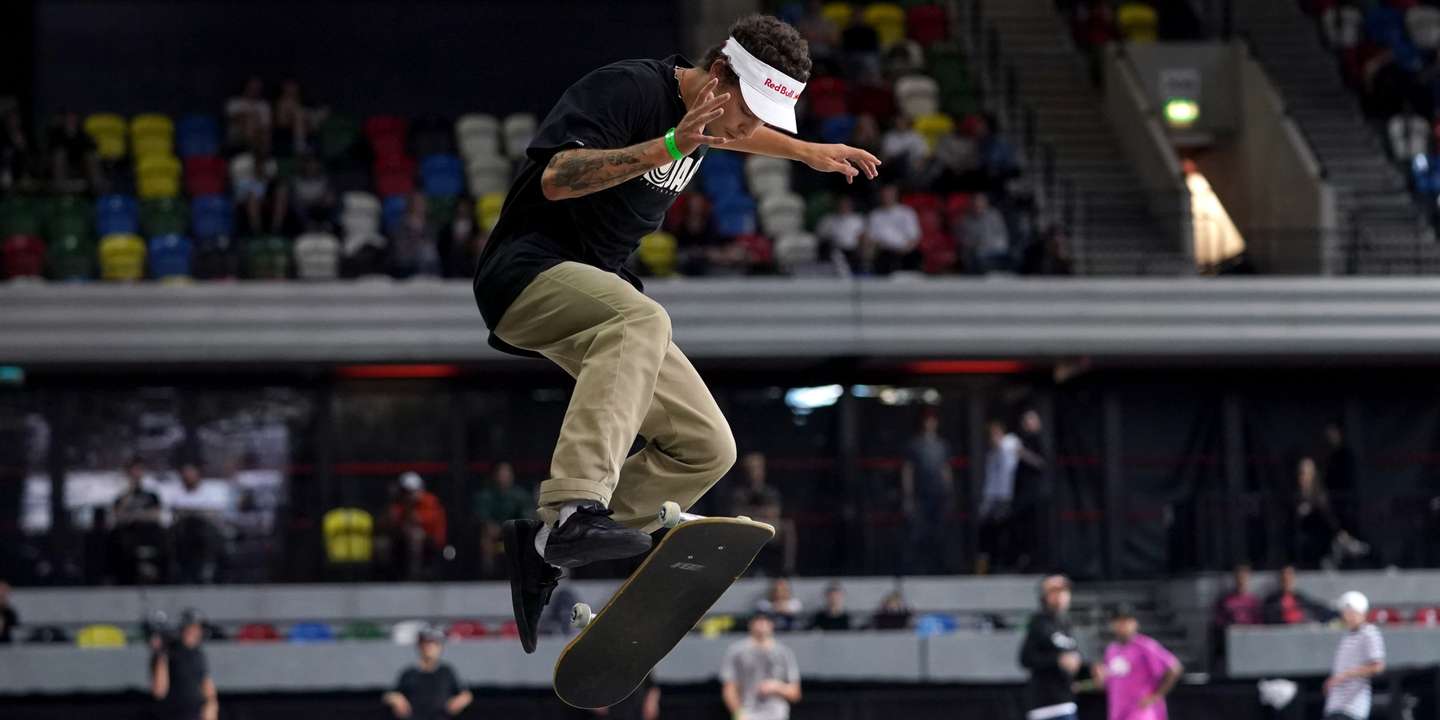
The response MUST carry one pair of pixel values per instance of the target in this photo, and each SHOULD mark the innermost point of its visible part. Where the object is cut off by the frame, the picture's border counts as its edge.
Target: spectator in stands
(903, 150)
(1342, 476)
(781, 605)
(74, 162)
(198, 544)
(1239, 606)
(997, 498)
(137, 542)
(429, 690)
(1289, 606)
(866, 135)
(953, 165)
(9, 619)
(997, 157)
(1312, 524)
(818, 30)
(757, 498)
(1047, 254)
(500, 501)
(461, 241)
(841, 232)
(293, 122)
(833, 616)
(418, 523)
(759, 678)
(1052, 655)
(15, 149)
(893, 231)
(248, 116)
(861, 46)
(1033, 494)
(413, 251)
(893, 613)
(312, 195)
(983, 238)
(927, 495)
(180, 675)
(1138, 672)
(1359, 657)
(263, 206)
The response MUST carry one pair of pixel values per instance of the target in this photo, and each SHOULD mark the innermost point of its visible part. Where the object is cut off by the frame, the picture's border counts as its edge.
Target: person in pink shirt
(1137, 673)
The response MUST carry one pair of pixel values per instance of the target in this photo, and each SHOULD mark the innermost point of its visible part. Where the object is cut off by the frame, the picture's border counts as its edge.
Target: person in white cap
(1360, 656)
(603, 168)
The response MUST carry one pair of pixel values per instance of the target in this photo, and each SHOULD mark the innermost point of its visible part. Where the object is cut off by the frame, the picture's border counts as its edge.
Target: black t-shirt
(616, 106)
(428, 692)
(823, 620)
(188, 670)
(8, 620)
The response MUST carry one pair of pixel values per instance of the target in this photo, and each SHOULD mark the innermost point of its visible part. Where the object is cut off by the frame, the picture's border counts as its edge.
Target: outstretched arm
(825, 157)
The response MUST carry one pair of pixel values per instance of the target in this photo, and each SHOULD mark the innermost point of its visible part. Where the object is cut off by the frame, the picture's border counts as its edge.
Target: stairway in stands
(1373, 202)
(1092, 602)
(1121, 237)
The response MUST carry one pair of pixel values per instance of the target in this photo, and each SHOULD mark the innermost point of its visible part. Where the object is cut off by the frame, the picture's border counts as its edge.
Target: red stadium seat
(1385, 616)
(258, 632)
(926, 24)
(937, 252)
(958, 203)
(1429, 617)
(509, 629)
(24, 256)
(468, 630)
(827, 97)
(378, 126)
(394, 176)
(205, 175)
(922, 202)
(758, 247)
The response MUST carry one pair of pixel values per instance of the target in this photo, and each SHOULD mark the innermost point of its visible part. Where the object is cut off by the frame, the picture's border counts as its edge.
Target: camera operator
(179, 675)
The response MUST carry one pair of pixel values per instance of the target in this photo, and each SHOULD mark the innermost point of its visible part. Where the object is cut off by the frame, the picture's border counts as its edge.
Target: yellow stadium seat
(100, 636)
(122, 257)
(657, 252)
(487, 211)
(151, 125)
(712, 627)
(158, 176)
(144, 146)
(349, 535)
(1138, 22)
(838, 13)
(888, 19)
(108, 132)
(933, 127)
(165, 164)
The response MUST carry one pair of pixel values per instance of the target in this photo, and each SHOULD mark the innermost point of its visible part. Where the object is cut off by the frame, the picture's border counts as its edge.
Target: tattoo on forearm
(585, 171)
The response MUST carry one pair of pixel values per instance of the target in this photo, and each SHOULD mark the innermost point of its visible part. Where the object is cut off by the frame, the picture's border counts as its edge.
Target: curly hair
(769, 39)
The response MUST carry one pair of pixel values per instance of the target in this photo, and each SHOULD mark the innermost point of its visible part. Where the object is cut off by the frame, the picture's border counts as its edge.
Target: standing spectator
(893, 613)
(861, 46)
(1047, 254)
(247, 115)
(1289, 606)
(418, 522)
(180, 675)
(312, 196)
(841, 233)
(1138, 672)
(74, 162)
(430, 689)
(263, 206)
(293, 121)
(760, 500)
(893, 230)
(1312, 525)
(1052, 655)
(833, 616)
(500, 501)
(760, 678)
(818, 31)
(997, 497)
(9, 619)
(1033, 494)
(461, 241)
(137, 541)
(927, 487)
(198, 543)
(1342, 477)
(413, 251)
(903, 149)
(781, 606)
(15, 149)
(983, 237)
(1359, 657)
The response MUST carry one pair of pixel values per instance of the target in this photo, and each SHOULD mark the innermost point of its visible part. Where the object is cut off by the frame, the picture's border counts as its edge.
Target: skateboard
(691, 567)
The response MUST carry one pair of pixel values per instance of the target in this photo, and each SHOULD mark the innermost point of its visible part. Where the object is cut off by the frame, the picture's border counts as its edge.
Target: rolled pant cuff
(557, 491)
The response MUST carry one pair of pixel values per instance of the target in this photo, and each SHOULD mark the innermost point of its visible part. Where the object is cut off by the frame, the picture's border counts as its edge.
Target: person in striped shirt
(1360, 656)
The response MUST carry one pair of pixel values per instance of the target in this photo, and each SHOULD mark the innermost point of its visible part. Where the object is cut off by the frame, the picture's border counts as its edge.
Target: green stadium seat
(70, 257)
(338, 135)
(267, 258)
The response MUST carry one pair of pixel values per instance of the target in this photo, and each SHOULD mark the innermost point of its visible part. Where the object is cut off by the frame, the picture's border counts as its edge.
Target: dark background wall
(360, 56)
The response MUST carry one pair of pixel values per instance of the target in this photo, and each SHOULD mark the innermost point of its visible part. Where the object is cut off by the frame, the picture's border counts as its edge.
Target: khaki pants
(630, 379)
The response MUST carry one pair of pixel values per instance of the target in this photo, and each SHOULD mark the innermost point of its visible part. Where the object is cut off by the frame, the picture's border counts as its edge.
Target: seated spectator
(983, 237)
(892, 614)
(893, 231)
(417, 521)
(953, 165)
(9, 619)
(833, 616)
(758, 499)
(263, 206)
(903, 150)
(294, 123)
(412, 251)
(74, 162)
(703, 252)
(997, 158)
(430, 689)
(137, 541)
(461, 241)
(861, 46)
(1047, 254)
(312, 195)
(866, 135)
(247, 116)
(818, 31)
(780, 605)
(1238, 607)
(501, 500)
(16, 149)
(198, 543)
(841, 232)
(1289, 606)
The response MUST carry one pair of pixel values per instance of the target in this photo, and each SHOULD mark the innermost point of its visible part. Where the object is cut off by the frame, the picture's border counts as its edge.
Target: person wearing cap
(429, 690)
(603, 168)
(759, 677)
(1052, 655)
(180, 679)
(1359, 657)
(1138, 671)
(418, 520)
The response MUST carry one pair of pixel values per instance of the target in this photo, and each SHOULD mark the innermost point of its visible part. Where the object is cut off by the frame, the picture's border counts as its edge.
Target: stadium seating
(658, 253)
(443, 175)
(311, 632)
(122, 257)
(70, 257)
(116, 214)
(100, 637)
(197, 135)
(1138, 22)
(204, 175)
(347, 534)
(888, 19)
(317, 256)
(468, 630)
(257, 632)
(519, 129)
(24, 257)
(267, 258)
(169, 257)
(108, 132)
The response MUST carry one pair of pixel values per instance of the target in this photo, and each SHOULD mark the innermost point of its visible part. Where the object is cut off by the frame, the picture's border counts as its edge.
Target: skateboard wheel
(581, 615)
(746, 518)
(669, 514)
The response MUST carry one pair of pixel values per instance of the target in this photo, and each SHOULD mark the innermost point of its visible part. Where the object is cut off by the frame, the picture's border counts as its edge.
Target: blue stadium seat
(116, 215)
(210, 216)
(837, 129)
(197, 135)
(312, 632)
(169, 257)
(442, 176)
(734, 215)
(722, 175)
(392, 211)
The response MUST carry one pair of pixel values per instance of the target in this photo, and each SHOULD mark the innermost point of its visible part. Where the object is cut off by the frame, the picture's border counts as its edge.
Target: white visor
(769, 93)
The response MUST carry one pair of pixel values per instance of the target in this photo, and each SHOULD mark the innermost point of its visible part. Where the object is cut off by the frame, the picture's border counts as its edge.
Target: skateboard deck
(695, 563)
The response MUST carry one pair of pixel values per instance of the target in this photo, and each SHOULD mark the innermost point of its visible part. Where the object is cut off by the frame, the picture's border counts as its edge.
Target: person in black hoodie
(1052, 655)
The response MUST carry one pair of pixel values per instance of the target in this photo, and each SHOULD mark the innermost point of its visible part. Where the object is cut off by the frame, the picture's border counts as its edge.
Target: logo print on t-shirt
(1119, 666)
(674, 177)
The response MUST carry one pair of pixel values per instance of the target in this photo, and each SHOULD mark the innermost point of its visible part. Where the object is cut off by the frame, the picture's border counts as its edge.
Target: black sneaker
(532, 580)
(589, 535)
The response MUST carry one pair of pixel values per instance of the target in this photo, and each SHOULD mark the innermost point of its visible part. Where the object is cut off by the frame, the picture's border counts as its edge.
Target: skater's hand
(843, 159)
(771, 687)
(690, 133)
(1070, 662)
(1331, 682)
(398, 704)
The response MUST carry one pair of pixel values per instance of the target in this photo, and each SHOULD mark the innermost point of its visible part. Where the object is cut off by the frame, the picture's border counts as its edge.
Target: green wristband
(670, 144)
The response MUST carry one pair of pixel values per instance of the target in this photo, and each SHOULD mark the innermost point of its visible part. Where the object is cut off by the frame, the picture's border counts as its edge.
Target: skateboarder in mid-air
(605, 165)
